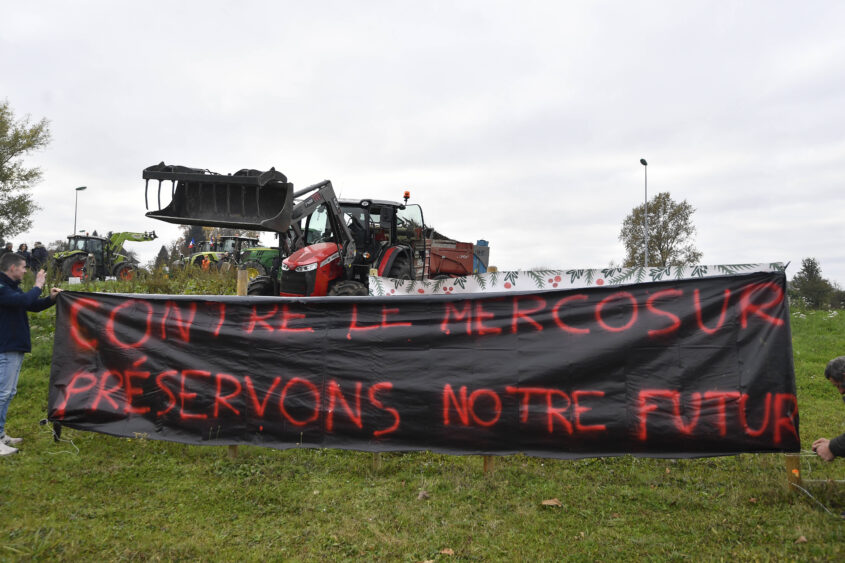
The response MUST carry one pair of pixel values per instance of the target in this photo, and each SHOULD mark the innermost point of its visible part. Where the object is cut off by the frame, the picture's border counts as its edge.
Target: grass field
(104, 498)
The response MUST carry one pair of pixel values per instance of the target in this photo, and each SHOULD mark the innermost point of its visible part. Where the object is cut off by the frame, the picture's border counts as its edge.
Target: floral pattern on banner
(545, 280)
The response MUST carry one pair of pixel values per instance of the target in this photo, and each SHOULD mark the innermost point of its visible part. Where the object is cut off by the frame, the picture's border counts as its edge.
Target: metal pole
(75, 205)
(645, 212)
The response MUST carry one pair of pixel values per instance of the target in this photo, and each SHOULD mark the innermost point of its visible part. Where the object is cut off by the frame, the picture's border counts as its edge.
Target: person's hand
(40, 278)
(54, 292)
(822, 449)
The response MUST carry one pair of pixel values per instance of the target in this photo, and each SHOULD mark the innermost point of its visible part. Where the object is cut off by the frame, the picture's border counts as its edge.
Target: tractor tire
(262, 285)
(125, 271)
(254, 269)
(348, 288)
(74, 267)
(401, 268)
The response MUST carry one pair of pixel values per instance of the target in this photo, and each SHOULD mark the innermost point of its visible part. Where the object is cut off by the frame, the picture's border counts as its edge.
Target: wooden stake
(793, 472)
(243, 282)
(489, 464)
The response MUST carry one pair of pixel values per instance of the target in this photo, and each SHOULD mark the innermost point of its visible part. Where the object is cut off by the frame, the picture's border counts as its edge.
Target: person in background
(7, 248)
(23, 250)
(14, 332)
(39, 257)
(824, 448)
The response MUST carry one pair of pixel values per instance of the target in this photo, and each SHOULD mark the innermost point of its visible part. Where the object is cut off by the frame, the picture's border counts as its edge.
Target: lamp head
(80, 188)
(643, 162)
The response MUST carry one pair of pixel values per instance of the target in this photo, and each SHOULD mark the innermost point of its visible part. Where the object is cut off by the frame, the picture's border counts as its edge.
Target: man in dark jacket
(830, 449)
(39, 257)
(14, 332)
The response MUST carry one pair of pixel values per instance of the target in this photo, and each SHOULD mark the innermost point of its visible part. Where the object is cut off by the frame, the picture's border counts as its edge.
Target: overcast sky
(522, 123)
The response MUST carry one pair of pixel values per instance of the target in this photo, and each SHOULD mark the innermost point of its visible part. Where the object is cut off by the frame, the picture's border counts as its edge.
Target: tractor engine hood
(319, 254)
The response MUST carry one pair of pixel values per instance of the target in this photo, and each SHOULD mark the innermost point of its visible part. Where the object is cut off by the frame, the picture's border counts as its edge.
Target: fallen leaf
(801, 539)
(752, 499)
(667, 471)
(447, 551)
(615, 515)
(552, 502)
(423, 495)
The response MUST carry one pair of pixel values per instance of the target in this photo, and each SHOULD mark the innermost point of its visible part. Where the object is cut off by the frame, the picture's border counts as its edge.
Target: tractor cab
(91, 245)
(378, 225)
(235, 246)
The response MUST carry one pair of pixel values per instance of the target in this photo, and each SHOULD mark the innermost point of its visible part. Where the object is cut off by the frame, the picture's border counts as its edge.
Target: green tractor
(260, 261)
(92, 257)
(224, 251)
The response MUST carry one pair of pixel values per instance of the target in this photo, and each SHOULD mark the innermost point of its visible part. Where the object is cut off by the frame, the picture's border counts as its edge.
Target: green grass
(106, 498)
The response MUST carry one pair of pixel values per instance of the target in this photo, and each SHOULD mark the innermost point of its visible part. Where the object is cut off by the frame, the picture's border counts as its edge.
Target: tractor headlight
(285, 267)
(307, 267)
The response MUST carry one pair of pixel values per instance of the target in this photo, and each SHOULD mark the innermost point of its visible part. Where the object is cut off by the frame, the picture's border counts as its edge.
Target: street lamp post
(645, 212)
(75, 202)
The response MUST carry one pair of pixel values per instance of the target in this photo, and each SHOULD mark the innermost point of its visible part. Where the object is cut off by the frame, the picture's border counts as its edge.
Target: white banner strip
(544, 280)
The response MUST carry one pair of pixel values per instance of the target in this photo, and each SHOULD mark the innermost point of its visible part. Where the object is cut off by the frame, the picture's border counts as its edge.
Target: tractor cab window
(229, 245)
(77, 244)
(243, 244)
(410, 227)
(318, 228)
(95, 246)
(358, 221)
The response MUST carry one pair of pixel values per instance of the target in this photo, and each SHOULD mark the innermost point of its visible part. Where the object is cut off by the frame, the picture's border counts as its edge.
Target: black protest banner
(689, 367)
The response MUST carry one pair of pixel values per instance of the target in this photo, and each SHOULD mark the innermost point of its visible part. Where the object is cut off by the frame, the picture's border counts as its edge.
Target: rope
(56, 438)
(799, 487)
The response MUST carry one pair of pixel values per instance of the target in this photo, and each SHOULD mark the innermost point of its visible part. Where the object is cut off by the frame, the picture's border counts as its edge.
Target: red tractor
(327, 246)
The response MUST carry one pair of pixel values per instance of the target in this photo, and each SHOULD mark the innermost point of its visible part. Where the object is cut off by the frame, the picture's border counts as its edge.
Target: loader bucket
(248, 199)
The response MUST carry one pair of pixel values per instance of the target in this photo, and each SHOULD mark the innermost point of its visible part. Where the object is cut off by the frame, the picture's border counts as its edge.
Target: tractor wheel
(262, 285)
(125, 271)
(254, 269)
(348, 288)
(74, 266)
(401, 268)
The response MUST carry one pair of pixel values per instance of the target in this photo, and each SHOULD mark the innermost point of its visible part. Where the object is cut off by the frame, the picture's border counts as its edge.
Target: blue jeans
(10, 368)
